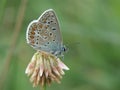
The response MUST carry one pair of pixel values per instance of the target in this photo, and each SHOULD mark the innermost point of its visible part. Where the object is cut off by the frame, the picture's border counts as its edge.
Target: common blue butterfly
(44, 34)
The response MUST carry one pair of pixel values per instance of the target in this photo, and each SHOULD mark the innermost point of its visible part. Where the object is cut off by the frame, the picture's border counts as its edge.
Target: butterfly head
(60, 52)
(64, 49)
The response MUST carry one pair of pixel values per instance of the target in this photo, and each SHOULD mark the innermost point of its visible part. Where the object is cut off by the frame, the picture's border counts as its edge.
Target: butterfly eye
(64, 49)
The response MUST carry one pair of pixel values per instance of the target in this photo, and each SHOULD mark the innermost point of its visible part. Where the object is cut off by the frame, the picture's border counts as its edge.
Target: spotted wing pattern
(44, 33)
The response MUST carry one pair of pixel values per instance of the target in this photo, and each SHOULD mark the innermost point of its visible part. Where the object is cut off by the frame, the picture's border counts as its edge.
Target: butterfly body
(44, 34)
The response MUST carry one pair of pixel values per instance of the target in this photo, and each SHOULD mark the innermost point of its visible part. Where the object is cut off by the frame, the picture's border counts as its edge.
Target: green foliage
(91, 30)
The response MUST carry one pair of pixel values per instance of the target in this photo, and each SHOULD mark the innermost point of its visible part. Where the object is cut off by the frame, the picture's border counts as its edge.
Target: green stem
(44, 87)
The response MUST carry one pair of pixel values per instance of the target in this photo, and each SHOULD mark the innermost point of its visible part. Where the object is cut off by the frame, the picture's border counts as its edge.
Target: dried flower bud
(45, 68)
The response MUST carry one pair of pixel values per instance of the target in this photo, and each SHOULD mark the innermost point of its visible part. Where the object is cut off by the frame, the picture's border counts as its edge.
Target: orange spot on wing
(33, 33)
(46, 26)
(32, 42)
(44, 20)
(31, 37)
(40, 25)
(33, 28)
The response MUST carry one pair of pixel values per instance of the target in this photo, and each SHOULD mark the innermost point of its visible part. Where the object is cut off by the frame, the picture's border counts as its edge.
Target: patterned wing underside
(44, 33)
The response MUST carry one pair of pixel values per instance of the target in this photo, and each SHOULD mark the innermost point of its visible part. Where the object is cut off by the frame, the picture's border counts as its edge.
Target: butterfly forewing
(51, 24)
(44, 33)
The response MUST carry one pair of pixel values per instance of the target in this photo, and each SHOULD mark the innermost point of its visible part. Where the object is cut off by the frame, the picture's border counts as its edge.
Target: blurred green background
(90, 29)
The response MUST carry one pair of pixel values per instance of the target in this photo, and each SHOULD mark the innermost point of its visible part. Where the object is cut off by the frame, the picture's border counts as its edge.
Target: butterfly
(44, 34)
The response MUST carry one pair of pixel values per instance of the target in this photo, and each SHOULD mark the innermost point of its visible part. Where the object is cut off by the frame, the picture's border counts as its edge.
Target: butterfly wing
(44, 33)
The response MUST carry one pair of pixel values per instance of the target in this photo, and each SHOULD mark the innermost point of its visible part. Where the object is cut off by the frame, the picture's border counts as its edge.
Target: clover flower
(44, 68)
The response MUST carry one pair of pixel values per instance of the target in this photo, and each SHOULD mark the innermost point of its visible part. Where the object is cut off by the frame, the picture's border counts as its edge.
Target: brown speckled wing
(44, 33)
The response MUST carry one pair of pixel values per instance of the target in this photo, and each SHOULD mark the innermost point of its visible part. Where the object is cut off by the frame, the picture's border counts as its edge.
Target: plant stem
(44, 87)
(17, 28)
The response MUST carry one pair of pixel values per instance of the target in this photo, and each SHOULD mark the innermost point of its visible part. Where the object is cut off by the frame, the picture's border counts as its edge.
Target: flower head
(45, 68)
